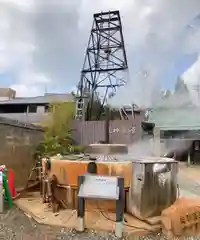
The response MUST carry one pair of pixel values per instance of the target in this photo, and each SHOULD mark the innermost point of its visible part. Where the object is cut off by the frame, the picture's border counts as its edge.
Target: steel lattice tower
(104, 65)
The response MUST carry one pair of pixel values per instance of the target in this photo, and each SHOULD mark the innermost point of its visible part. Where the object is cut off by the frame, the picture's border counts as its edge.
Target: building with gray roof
(31, 109)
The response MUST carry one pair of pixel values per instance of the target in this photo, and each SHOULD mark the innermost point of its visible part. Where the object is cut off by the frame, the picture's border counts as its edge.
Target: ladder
(80, 109)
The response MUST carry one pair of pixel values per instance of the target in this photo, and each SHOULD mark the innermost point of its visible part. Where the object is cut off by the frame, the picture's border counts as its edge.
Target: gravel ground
(14, 224)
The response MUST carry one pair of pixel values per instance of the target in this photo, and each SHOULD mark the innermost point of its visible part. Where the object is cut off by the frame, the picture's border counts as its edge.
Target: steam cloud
(42, 42)
(170, 31)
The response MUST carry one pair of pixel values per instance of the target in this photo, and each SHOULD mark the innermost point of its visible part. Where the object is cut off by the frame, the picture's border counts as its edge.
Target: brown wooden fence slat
(121, 131)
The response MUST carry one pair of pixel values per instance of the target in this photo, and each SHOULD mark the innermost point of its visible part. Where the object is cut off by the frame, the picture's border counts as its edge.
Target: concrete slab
(94, 220)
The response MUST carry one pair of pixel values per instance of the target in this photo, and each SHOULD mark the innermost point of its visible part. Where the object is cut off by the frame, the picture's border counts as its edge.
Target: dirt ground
(14, 224)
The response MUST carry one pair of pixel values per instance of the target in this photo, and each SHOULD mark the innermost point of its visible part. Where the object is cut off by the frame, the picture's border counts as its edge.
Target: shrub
(57, 127)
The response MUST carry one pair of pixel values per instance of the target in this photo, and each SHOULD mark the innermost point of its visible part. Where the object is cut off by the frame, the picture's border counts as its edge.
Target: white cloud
(44, 41)
(192, 75)
(160, 43)
(23, 90)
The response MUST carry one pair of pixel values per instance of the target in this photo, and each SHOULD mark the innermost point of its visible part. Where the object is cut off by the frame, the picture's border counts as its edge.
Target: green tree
(57, 127)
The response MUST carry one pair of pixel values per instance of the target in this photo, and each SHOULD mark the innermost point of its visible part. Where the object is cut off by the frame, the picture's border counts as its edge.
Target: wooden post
(107, 125)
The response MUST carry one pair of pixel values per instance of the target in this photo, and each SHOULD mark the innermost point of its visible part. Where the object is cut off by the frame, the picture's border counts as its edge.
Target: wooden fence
(121, 131)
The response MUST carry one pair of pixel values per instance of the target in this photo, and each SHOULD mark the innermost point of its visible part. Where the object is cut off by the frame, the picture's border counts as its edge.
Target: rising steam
(165, 38)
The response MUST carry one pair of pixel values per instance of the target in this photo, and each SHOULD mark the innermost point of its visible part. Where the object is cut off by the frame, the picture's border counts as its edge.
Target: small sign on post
(91, 186)
(99, 187)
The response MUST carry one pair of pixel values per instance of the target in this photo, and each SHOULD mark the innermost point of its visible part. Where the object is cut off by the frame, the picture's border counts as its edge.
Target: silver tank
(153, 186)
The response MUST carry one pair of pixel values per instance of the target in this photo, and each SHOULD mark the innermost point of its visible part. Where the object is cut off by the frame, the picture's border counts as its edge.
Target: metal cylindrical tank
(153, 186)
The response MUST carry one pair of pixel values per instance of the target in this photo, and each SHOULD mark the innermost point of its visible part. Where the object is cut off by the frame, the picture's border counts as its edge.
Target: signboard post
(92, 186)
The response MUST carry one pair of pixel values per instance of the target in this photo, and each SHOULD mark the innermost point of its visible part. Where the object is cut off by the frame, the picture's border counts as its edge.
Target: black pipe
(92, 168)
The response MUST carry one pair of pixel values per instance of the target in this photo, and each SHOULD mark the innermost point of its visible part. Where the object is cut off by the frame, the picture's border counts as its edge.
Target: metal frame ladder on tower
(80, 109)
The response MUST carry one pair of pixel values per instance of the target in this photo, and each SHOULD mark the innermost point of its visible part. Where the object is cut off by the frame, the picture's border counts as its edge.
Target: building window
(32, 108)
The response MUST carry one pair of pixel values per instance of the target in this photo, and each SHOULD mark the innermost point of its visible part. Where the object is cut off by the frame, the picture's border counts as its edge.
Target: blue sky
(182, 64)
(6, 79)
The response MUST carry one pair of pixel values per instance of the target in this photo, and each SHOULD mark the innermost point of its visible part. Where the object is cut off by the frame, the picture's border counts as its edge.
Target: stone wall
(17, 146)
